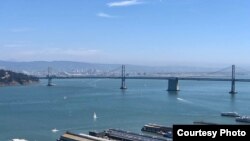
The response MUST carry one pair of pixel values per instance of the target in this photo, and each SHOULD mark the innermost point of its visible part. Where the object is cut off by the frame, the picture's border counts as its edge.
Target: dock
(121, 135)
(108, 135)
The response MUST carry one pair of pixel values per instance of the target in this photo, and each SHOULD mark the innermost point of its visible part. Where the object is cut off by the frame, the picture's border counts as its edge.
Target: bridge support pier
(49, 81)
(49, 77)
(173, 84)
(233, 81)
(123, 85)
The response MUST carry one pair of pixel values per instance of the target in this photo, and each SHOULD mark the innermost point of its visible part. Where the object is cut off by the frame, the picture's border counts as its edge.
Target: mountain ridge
(74, 65)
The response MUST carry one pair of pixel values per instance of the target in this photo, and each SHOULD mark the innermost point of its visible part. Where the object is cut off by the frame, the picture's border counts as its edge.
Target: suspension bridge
(173, 82)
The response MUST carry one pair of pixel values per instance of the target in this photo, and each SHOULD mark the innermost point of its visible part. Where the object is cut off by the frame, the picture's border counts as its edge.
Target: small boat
(94, 116)
(54, 130)
(19, 140)
(230, 114)
(245, 119)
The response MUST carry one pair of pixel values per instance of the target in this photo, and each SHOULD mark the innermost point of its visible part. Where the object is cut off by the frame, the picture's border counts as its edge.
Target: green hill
(13, 78)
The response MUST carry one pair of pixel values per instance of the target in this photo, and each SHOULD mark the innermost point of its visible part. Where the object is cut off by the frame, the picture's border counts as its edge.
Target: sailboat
(94, 116)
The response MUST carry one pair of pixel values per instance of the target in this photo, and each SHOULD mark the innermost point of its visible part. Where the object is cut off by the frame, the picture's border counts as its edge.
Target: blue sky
(144, 32)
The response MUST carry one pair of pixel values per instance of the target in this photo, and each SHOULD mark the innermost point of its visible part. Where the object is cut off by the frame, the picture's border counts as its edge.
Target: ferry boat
(245, 119)
(230, 114)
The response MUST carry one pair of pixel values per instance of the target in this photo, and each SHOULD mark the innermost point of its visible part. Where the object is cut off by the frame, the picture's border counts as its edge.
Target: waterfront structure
(121, 135)
(108, 135)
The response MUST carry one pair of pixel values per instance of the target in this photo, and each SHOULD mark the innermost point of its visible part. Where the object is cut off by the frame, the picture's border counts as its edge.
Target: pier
(108, 135)
(121, 135)
(68, 136)
(173, 82)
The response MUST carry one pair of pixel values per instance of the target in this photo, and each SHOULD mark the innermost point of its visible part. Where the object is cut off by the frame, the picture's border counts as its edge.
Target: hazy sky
(145, 32)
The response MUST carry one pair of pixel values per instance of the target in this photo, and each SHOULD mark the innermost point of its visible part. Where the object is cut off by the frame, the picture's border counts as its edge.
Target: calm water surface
(31, 112)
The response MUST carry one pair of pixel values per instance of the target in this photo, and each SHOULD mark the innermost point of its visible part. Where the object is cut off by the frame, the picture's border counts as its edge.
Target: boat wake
(92, 83)
(185, 101)
(54, 130)
(65, 129)
(94, 116)
(27, 102)
(19, 140)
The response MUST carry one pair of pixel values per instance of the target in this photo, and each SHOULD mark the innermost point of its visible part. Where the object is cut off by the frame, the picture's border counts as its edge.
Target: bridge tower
(233, 81)
(123, 85)
(173, 84)
(49, 77)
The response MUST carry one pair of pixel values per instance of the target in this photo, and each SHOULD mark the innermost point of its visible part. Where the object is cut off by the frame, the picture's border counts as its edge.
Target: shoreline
(18, 84)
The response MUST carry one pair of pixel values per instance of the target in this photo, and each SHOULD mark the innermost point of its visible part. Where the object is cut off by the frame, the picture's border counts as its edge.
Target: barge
(230, 114)
(245, 119)
(161, 130)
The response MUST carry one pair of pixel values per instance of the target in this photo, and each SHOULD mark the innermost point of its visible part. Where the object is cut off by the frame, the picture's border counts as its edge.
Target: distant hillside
(58, 66)
(69, 68)
(13, 78)
(55, 65)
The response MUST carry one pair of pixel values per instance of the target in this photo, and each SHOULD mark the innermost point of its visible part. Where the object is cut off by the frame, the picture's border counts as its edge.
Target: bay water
(31, 112)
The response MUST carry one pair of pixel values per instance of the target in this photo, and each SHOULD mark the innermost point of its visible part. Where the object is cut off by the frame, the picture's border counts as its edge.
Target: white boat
(54, 130)
(230, 114)
(19, 140)
(95, 116)
(243, 119)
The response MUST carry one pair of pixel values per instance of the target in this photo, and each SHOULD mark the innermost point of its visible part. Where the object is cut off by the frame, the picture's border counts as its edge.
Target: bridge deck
(149, 77)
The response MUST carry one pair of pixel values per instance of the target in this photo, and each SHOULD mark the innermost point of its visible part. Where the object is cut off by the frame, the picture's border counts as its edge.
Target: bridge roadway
(173, 84)
(147, 77)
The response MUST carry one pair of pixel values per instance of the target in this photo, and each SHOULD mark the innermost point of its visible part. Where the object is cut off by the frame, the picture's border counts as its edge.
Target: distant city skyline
(139, 32)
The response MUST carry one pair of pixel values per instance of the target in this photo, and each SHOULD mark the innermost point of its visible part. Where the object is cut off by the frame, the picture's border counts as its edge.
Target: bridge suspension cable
(221, 70)
(242, 70)
(209, 74)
